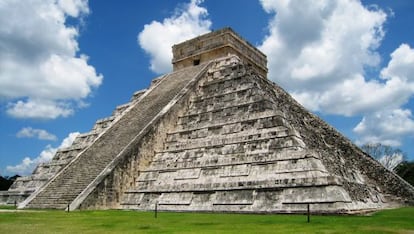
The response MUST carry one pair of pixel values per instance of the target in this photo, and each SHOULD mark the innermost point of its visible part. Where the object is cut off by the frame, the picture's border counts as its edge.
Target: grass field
(389, 221)
(7, 207)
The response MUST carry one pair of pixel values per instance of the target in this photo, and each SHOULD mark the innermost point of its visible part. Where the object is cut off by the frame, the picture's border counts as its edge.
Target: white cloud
(311, 45)
(39, 62)
(320, 52)
(40, 134)
(29, 164)
(157, 38)
(39, 109)
(401, 65)
(386, 127)
(74, 7)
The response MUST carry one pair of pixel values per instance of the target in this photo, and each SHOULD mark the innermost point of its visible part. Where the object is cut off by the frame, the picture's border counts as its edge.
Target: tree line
(392, 158)
(6, 182)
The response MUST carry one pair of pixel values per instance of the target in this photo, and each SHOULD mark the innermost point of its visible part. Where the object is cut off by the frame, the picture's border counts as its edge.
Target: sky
(66, 63)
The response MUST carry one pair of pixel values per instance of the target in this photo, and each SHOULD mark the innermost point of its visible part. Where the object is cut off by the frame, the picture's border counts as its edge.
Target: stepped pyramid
(216, 135)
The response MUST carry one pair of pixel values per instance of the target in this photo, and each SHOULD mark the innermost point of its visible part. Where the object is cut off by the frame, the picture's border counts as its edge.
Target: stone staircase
(92, 164)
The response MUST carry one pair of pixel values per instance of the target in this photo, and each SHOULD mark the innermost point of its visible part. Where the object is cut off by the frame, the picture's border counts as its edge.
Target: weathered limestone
(216, 135)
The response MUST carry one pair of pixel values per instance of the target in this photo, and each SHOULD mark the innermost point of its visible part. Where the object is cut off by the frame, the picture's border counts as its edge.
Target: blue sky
(66, 63)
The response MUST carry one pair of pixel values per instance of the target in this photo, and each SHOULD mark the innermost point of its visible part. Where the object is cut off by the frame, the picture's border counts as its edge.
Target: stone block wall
(232, 150)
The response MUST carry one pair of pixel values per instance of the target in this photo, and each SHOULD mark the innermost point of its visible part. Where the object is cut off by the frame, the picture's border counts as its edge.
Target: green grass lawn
(7, 207)
(389, 221)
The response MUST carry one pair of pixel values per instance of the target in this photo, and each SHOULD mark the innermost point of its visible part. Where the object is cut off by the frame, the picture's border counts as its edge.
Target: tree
(388, 156)
(406, 171)
(6, 182)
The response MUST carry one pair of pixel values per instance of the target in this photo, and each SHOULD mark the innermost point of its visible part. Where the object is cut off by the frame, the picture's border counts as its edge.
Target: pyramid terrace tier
(287, 158)
(251, 126)
(328, 198)
(238, 182)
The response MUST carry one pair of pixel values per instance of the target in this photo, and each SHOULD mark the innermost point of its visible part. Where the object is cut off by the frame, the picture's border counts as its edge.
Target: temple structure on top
(218, 44)
(214, 135)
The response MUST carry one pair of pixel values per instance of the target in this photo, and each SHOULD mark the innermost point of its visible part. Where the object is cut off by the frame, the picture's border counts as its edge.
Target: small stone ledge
(138, 94)
(237, 140)
(105, 120)
(292, 153)
(208, 166)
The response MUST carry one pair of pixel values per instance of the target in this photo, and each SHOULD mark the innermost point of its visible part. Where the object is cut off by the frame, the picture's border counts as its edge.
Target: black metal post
(156, 209)
(68, 207)
(15, 204)
(308, 213)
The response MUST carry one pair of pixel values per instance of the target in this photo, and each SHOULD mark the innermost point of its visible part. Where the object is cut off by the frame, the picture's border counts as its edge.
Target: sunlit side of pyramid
(216, 135)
